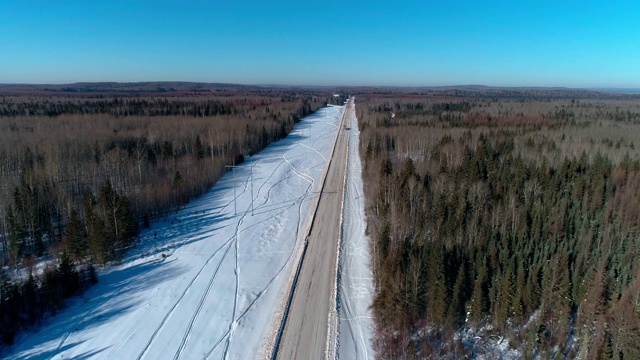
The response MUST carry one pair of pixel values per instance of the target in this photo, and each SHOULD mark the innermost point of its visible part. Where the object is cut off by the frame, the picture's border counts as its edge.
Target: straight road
(305, 333)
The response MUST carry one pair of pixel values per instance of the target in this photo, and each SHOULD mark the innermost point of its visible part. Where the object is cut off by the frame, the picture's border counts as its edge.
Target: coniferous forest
(82, 172)
(503, 218)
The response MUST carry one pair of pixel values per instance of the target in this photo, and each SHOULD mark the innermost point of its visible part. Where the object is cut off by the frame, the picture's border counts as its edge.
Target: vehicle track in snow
(324, 133)
(355, 320)
(233, 323)
(196, 314)
(228, 336)
(177, 303)
(227, 244)
(139, 321)
(353, 250)
(89, 314)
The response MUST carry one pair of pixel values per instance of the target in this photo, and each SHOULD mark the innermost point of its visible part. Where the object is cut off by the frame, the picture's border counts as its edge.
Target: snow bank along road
(206, 283)
(310, 326)
(355, 283)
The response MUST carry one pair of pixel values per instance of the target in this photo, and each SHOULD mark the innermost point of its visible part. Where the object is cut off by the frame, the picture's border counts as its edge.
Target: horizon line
(530, 87)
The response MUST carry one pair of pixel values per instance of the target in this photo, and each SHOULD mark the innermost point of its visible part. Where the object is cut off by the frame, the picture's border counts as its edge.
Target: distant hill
(619, 90)
(126, 87)
(182, 87)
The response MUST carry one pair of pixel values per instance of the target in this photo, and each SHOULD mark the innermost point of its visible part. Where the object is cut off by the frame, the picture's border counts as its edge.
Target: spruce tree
(477, 304)
(16, 236)
(30, 299)
(126, 222)
(96, 232)
(459, 296)
(68, 276)
(52, 290)
(75, 237)
(9, 309)
(199, 148)
(436, 289)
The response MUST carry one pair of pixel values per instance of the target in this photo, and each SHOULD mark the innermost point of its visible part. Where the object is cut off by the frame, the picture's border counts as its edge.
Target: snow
(207, 283)
(355, 278)
(485, 345)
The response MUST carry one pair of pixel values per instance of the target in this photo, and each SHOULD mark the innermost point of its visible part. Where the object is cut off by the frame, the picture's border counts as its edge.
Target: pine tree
(504, 298)
(459, 295)
(30, 213)
(532, 293)
(30, 299)
(68, 276)
(264, 137)
(53, 291)
(177, 181)
(199, 148)
(16, 236)
(477, 304)
(126, 221)
(555, 295)
(93, 276)
(517, 306)
(436, 289)
(108, 205)
(9, 309)
(75, 237)
(96, 232)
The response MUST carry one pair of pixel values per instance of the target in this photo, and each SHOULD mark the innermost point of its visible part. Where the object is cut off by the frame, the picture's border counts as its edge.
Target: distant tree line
(496, 228)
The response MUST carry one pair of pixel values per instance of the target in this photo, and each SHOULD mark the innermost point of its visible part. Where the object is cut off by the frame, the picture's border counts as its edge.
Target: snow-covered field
(207, 282)
(356, 289)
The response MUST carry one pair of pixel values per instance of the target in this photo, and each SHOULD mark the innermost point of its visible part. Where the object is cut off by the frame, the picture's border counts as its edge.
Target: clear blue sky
(412, 43)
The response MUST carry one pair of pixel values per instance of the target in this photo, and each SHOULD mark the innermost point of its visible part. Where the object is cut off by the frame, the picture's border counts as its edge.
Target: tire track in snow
(324, 132)
(138, 322)
(224, 336)
(355, 320)
(233, 324)
(306, 177)
(228, 335)
(88, 314)
(85, 316)
(209, 285)
(274, 185)
(237, 273)
(196, 314)
(312, 149)
(175, 305)
(353, 167)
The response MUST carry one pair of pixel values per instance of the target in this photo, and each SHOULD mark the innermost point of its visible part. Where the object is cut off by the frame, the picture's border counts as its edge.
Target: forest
(503, 221)
(81, 172)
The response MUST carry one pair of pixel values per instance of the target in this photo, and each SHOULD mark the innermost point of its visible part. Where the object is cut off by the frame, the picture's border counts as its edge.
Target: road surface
(305, 334)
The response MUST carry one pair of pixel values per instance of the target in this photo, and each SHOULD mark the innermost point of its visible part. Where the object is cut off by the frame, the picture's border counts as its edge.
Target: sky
(330, 43)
